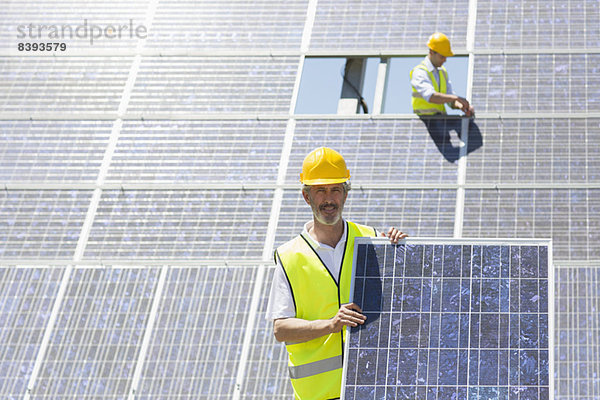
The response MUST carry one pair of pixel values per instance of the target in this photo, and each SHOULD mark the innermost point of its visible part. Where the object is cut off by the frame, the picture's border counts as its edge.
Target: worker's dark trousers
(440, 127)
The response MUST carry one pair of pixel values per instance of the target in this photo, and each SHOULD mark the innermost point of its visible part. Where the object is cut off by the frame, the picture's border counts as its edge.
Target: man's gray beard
(339, 216)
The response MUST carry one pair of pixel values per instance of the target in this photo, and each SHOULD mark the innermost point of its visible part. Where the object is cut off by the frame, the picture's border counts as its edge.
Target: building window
(348, 85)
(335, 85)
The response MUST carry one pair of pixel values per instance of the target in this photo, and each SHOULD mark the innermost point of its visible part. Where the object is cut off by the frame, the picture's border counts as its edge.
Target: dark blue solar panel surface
(465, 320)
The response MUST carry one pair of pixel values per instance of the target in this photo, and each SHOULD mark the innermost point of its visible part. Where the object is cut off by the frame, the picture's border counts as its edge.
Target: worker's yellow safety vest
(315, 366)
(422, 106)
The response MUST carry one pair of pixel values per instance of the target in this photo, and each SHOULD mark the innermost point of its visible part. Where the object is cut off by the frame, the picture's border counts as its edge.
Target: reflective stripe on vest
(422, 106)
(315, 366)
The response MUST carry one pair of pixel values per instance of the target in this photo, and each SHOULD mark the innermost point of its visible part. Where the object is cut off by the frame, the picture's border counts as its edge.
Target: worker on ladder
(431, 87)
(309, 299)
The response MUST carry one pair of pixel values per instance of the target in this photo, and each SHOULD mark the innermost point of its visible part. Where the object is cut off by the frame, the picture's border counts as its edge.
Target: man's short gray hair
(346, 185)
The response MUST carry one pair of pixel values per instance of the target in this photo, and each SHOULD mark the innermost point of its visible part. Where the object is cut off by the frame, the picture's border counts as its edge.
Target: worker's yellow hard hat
(324, 166)
(440, 43)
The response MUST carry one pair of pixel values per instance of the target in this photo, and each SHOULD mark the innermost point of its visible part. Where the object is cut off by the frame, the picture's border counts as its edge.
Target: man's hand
(394, 235)
(348, 315)
(454, 101)
(463, 105)
(300, 330)
(470, 112)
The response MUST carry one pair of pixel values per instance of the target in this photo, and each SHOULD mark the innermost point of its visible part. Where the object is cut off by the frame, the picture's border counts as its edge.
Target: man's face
(436, 59)
(327, 202)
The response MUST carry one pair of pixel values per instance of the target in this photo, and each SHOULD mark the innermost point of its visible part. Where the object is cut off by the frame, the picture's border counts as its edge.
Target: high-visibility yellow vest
(422, 106)
(315, 366)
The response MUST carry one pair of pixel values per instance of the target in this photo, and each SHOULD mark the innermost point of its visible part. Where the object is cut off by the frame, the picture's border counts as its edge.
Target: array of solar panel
(62, 85)
(577, 333)
(569, 216)
(180, 224)
(26, 298)
(417, 212)
(57, 151)
(213, 84)
(231, 24)
(69, 23)
(388, 25)
(46, 224)
(516, 152)
(198, 334)
(96, 341)
(551, 83)
(464, 319)
(41, 223)
(379, 151)
(531, 24)
(198, 151)
(266, 371)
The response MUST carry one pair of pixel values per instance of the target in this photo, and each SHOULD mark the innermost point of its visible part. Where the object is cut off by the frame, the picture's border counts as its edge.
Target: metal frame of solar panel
(451, 318)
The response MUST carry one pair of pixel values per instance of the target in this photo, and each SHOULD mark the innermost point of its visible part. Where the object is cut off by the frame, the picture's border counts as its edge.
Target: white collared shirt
(423, 85)
(281, 302)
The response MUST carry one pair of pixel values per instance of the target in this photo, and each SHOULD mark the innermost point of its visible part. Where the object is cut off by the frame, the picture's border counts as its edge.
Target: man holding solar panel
(309, 299)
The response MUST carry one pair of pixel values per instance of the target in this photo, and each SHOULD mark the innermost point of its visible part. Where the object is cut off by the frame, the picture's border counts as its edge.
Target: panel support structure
(464, 146)
(354, 74)
(380, 86)
(148, 333)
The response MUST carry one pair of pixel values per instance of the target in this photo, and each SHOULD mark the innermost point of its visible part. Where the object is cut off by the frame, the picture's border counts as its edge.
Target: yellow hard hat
(324, 166)
(440, 43)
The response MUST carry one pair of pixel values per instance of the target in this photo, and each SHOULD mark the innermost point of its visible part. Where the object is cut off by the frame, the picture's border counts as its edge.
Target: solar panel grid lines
(513, 83)
(517, 25)
(405, 153)
(187, 224)
(26, 296)
(373, 24)
(267, 374)
(590, 339)
(62, 85)
(41, 224)
(44, 151)
(235, 25)
(214, 84)
(290, 128)
(406, 209)
(84, 357)
(473, 292)
(578, 359)
(198, 151)
(214, 339)
(148, 332)
(253, 313)
(418, 212)
(566, 154)
(197, 340)
(167, 344)
(577, 327)
(563, 214)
